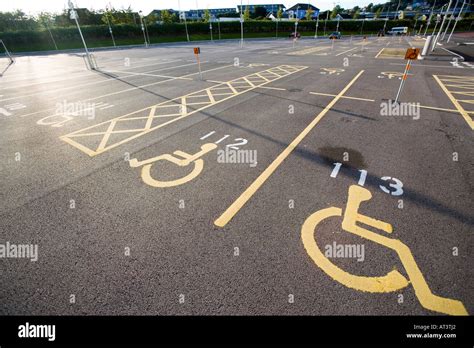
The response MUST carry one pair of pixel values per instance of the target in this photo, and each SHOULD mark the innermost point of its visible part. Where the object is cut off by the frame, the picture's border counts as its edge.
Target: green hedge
(128, 34)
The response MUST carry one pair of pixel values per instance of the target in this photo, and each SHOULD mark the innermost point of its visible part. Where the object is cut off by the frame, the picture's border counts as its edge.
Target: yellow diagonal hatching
(149, 119)
(457, 87)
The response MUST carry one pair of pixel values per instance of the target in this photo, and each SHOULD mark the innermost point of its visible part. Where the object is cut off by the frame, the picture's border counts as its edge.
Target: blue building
(299, 11)
(214, 12)
(271, 8)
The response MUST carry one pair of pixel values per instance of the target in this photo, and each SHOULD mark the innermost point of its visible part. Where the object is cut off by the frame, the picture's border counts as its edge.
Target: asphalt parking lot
(126, 180)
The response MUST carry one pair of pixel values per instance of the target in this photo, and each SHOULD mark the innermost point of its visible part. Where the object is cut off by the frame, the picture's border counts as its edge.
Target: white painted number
(398, 186)
(236, 145)
(363, 176)
(335, 171)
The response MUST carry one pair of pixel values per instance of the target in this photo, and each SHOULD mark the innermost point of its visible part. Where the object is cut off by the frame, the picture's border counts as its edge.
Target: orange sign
(412, 53)
(197, 50)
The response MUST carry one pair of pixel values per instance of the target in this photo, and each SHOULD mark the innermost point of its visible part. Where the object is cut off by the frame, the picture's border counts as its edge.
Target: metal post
(396, 11)
(241, 24)
(185, 22)
(442, 26)
(325, 23)
(449, 20)
(277, 20)
(7, 53)
(458, 18)
(71, 6)
(210, 29)
(429, 18)
(146, 30)
(51, 34)
(199, 66)
(402, 83)
(219, 26)
(362, 27)
(436, 26)
(317, 25)
(143, 28)
(110, 27)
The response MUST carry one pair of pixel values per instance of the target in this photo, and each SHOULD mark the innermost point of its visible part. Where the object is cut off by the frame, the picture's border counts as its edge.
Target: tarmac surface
(125, 179)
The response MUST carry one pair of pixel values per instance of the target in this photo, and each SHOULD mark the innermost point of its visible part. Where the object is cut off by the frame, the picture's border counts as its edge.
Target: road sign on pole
(197, 52)
(411, 54)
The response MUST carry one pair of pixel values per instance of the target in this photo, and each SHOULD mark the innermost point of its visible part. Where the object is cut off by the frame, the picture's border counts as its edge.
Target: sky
(35, 6)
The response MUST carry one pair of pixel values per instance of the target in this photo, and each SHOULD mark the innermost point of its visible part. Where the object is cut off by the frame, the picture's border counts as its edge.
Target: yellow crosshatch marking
(107, 135)
(391, 53)
(460, 90)
(308, 51)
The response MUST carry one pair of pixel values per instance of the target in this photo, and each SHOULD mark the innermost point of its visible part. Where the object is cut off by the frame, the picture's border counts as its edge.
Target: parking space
(281, 178)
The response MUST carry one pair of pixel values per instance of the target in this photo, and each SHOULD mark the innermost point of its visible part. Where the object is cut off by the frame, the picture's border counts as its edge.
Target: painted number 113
(395, 184)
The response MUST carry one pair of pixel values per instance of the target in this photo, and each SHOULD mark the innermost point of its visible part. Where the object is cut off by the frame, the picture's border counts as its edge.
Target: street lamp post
(450, 18)
(442, 25)
(325, 23)
(398, 7)
(241, 24)
(317, 24)
(458, 18)
(110, 27)
(143, 28)
(51, 34)
(185, 22)
(74, 15)
(430, 18)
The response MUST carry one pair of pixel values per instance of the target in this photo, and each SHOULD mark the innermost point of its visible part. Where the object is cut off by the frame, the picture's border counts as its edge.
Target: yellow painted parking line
(308, 51)
(439, 109)
(109, 134)
(235, 207)
(343, 97)
(463, 82)
(373, 100)
(378, 54)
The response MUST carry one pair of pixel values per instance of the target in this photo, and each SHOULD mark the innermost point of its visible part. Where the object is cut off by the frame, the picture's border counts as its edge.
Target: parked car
(295, 35)
(398, 31)
(335, 35)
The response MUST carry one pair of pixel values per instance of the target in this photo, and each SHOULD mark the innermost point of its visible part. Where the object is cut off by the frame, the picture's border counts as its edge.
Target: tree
(279, 13)
(356, 14)
(247, 14)
(166, 17)
(369, 7)
(335, 11)
(45, 19)
(309, 14)
(152, 18)
(207, 16)
(378, 13)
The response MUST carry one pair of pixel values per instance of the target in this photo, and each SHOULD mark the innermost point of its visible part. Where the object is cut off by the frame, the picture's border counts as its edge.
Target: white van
(398, 31)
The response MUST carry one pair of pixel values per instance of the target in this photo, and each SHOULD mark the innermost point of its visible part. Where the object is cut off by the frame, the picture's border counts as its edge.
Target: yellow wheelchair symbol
(185, 160)
(390, 282)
